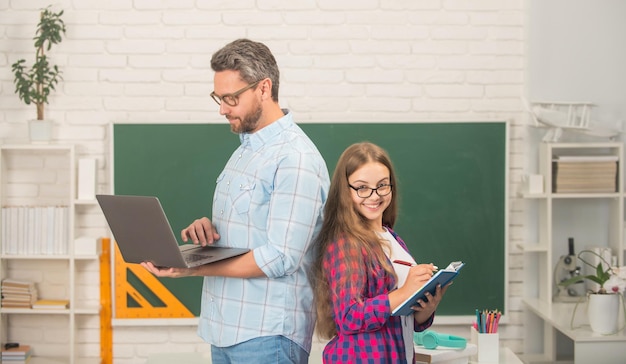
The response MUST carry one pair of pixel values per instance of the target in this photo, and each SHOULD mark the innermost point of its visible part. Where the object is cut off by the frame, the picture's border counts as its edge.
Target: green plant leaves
(600, 277)
(34, 84)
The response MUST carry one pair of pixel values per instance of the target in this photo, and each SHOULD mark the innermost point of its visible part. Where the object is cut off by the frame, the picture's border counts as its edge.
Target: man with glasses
(258, 307)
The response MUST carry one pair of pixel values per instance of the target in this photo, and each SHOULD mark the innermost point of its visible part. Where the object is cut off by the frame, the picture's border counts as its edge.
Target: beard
(249, 122)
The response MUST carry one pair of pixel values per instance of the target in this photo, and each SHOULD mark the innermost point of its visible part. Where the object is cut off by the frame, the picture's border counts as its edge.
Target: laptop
(143, 234)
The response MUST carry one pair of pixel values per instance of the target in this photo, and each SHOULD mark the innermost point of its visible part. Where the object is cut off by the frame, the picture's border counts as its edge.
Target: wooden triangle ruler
(125, 293)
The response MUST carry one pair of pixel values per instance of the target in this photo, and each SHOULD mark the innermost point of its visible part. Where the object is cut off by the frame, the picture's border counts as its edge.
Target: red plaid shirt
(367, 333)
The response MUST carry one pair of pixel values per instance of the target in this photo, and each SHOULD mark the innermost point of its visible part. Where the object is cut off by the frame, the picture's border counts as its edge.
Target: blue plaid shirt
(269, 198)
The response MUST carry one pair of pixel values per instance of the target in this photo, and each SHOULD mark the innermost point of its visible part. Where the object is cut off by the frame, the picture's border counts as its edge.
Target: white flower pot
(603, 313)
(40, 131)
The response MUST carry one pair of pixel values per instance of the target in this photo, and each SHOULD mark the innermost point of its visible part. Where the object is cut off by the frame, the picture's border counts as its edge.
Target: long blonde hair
(362, 245)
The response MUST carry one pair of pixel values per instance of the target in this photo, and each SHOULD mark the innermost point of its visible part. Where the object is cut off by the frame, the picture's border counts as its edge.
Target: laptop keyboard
(190, 258)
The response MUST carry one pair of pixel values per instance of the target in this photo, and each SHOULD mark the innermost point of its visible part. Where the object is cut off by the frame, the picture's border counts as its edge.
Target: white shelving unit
(592, 220)
(45, 175)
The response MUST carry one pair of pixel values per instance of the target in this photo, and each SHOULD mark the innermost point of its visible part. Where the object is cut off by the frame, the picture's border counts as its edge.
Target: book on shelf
(17, 294)
(559, 171)
(8, 296)
(51, 304)
(586, 158)
(21, 352)
(10, 360)
(585, 174)
(16, 359)
(16, 305)
(591, 166)
(9, 282)
(583, 190)
(17, 301)
(581, 186)
(35, 230)
(17, 289)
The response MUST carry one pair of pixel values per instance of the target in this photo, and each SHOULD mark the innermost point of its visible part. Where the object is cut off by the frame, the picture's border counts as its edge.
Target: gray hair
(253, 60)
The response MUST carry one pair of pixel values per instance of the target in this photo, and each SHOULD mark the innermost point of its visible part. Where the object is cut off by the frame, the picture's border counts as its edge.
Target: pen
(403, 262)
(409, 264)
(478, 324)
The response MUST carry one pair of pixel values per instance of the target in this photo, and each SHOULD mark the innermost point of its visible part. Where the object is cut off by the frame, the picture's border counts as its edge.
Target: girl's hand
(418, 276)
(425, 308)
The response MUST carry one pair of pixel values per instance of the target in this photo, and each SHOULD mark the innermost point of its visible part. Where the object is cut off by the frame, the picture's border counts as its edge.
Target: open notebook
(443, 277)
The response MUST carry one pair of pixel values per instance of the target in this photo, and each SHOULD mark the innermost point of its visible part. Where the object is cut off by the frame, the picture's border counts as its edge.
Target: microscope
(566, 268)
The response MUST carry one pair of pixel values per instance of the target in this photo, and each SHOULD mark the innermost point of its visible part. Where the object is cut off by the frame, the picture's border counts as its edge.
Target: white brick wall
(348, 61)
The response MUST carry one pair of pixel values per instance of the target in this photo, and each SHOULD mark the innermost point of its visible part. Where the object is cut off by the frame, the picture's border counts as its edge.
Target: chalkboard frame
(196, 145)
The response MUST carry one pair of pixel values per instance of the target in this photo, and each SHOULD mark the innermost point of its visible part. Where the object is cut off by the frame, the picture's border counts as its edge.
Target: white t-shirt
(398, 252)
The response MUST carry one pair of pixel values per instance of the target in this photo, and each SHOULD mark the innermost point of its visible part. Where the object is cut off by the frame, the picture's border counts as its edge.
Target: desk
(589, 347)
(507, 356)
(443, 355)
(455, 356)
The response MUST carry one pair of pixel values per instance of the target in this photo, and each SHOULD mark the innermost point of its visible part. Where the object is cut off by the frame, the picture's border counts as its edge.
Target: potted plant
(34, 85)
(610, 279)
(603, 303)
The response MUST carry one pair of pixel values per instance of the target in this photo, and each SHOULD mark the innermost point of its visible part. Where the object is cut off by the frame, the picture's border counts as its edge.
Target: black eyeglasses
(232, 99)
(365, 192)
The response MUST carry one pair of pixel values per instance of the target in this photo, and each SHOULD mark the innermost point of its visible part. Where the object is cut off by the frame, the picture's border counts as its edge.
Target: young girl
(356, 284)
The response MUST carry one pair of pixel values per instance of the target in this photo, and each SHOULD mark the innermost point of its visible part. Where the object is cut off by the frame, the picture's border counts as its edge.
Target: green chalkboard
(451, 184)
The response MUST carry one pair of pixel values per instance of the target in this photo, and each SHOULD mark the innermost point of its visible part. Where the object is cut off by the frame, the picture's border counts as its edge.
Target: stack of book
(16, 355)
(18, 294)
(584, 174)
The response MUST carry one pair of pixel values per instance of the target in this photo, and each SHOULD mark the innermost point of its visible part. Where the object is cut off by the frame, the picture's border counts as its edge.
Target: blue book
(443, 277)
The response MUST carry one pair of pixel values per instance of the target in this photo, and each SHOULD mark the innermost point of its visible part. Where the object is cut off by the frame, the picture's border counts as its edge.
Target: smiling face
(372, 175)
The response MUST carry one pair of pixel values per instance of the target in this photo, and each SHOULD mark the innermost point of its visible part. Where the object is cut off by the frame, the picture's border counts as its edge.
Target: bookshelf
(39, 176)
(553, 218)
